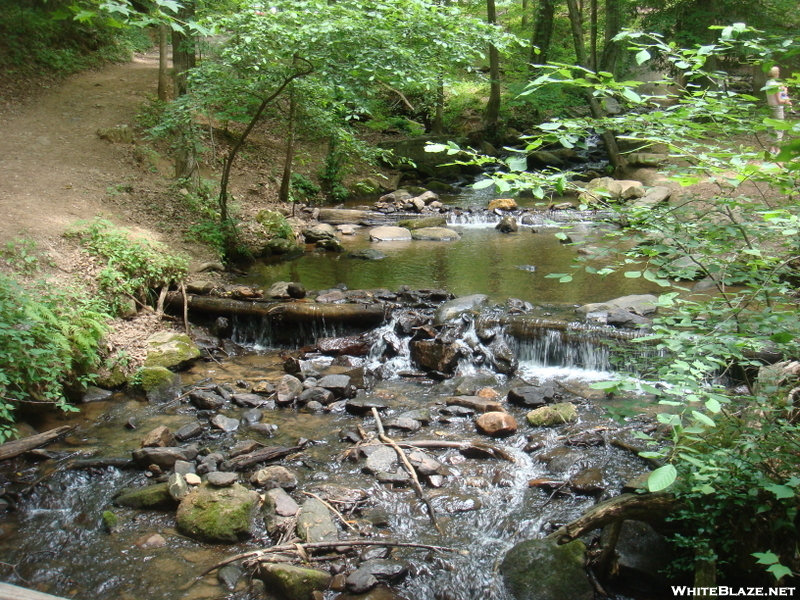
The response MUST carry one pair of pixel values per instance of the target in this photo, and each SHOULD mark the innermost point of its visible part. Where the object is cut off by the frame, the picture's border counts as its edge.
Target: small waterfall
(389, 355)
(530, 218)
(262, 333)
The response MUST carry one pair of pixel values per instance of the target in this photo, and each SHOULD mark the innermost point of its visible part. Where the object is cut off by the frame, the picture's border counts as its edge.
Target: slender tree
(492, 113)
(542, 32)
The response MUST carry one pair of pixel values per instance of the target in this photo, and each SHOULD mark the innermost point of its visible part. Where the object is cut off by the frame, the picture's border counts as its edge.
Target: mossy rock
(555, 414)
(149, 496)
(155, 378)
(294, 583)
(170, 349)
(278, 246)
(111, 521)
(210, 514)
(543, 570)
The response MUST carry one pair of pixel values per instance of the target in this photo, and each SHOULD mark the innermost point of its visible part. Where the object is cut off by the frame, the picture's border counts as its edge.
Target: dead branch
(332, 509)
(404, 459)
(17, 447)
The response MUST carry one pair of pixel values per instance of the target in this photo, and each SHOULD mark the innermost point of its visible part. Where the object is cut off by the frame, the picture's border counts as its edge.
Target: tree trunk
(608, 60)
(542, 32)
(286, 180)
(162, 62)
(524, 13)
(593, 35)
(183, 51)
(492, 113)
(437, 127)
(17, 447)
(226, 169)
(610, 142)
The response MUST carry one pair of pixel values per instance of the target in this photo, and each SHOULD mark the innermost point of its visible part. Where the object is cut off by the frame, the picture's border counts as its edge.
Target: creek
(55, 540)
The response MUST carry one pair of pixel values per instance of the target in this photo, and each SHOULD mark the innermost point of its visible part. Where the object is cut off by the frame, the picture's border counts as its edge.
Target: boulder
(422, 223)
(435, 234)
(165, 457)
(149, 496)
(160, 437)
(288, 389)
(531, 395)
(331, 245)
(322, 231)
(588, 481)
(157, 379)
(285, 506)
(433, 355)
(496, 424)
(543, 570)
(555, 414)
(278, 290)
(503, 204)
(315, 524)
(643, 556)
(507, 224)
(278, 247)
(274, 476)
(177, 486)
(541, 158)
(211, 514)
(639, 304)
(222, 479)
(366, 254)
(224, 423)
(340, 385)
(654, 196)
(96, 394)
(293, 583)
(388, 233)
(170, 349)
(206, 400)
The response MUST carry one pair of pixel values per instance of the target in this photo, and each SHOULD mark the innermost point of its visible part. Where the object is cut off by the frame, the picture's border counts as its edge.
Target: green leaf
(783, 337)
(642, 56)
(781, 491)
(713, 405)
(779, 571)
(633, 274)
(766, 558)
(483, 184)
(517, 163)
(704, 419)
(662, 478)
(436, 147)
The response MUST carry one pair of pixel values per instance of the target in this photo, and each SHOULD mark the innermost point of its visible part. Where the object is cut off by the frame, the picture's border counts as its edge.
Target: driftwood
(12, 592)
(404, 459)
(362, 316)
(299, 548)
(470, 450)
(101, 463)
(17, 447)
(650, 508)
(262, 455)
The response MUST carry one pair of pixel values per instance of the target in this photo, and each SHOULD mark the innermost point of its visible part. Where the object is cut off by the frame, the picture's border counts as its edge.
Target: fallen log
(262, 455)
(360, 316)
(17, 447)
(650, 508)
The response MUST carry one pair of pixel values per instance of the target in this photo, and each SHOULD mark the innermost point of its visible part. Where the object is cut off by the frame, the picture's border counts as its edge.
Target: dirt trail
(54, 169)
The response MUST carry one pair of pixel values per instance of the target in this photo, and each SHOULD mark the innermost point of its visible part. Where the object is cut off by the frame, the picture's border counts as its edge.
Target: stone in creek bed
(360, 406)
(252, 416)
(285, 506)
(206, 400)
(383, 459)
(404, 424)
(225, 423)
(188, 431)
(589, 481)
(220, 479)
(476, 403)
(496, 424)
(253, 401)
(555, 414)
(274, 477)
(531, 395)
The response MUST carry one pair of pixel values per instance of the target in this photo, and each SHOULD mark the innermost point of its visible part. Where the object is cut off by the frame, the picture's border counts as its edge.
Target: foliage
(133, 267)
(23, 256)
(48, 339)
(275, 224)
(303, 187)
(730, 457)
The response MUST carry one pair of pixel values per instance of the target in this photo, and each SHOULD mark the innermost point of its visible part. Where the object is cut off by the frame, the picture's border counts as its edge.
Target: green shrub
(133, 267)
(48, 339)
(275, 224)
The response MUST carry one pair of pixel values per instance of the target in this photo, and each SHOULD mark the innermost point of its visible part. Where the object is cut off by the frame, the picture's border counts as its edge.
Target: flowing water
(55, 540)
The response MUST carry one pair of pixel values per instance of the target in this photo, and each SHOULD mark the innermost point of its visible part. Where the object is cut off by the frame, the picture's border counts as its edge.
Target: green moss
(150, 496)
(217, 515)
(153, 378)
(555, 414)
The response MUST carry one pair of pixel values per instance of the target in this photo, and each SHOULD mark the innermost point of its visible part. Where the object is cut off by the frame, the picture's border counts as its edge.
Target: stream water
(55, 540)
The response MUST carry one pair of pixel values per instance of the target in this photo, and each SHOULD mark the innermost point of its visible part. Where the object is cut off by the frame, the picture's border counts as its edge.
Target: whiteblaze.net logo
(723, 591)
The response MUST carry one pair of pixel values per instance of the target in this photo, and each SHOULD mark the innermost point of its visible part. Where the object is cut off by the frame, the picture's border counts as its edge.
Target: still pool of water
(483, 261)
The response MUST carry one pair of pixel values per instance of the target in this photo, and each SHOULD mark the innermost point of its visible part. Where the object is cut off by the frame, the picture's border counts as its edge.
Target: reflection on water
(483, 261)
